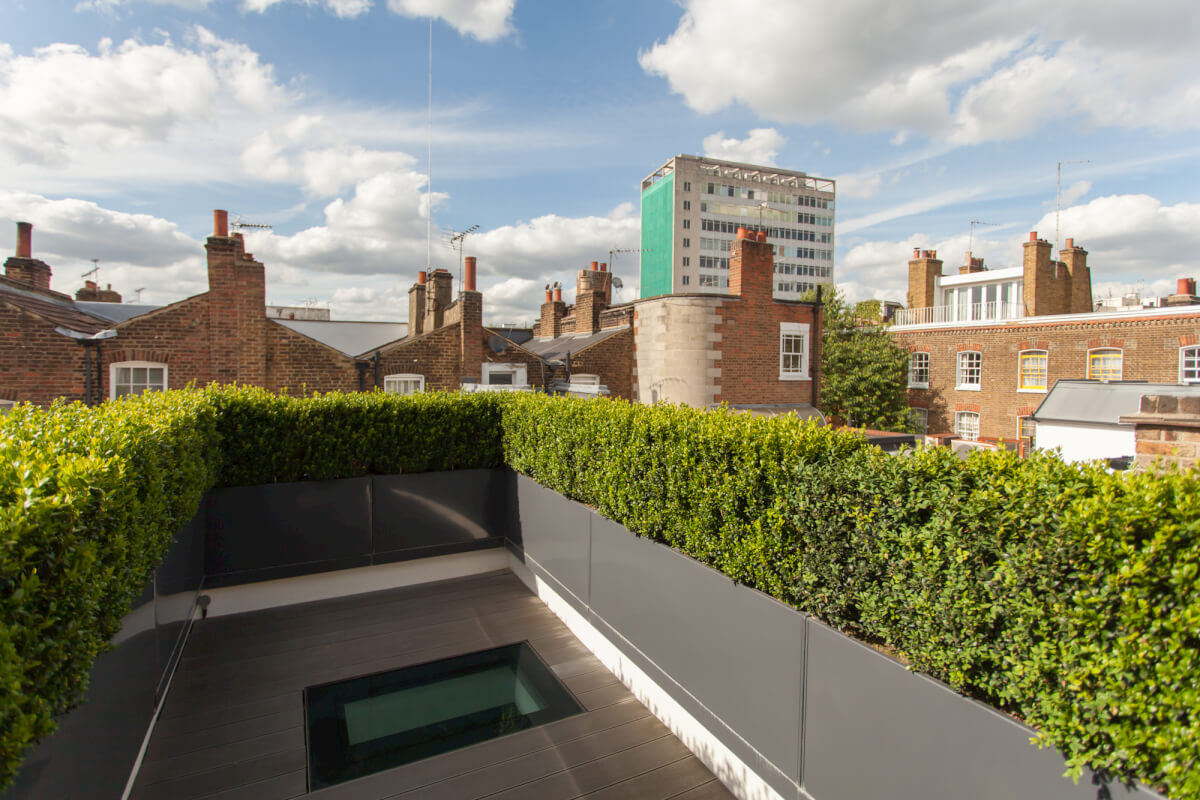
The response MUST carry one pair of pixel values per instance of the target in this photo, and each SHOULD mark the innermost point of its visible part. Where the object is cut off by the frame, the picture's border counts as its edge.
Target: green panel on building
(658, 237)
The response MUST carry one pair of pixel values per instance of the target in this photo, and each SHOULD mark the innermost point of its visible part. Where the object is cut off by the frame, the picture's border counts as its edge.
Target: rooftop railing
(974, 312)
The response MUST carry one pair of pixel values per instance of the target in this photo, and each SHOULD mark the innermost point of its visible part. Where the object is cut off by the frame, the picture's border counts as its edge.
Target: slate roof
(115, 312)
(57, 312)
(351, 338)
(1096, 403)
(557, 349)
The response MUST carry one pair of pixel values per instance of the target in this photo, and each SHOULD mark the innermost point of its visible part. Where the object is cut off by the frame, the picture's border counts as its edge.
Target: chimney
(1079, 278)
(1185, 293)
(24, 240)
(91, 291)
(469, 274)
(1038, 279)
(923, 272)
(23, 267)
(971, 265)
(751, 266)
(593, 287)
(553, 311)
(416, 305)
(438, 299)
(237, 318)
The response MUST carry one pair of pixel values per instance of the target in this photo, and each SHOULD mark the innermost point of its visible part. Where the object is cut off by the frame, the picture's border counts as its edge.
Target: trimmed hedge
(1060, 593)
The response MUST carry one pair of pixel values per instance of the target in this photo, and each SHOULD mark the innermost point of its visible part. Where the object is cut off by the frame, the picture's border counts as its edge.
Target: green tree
(863, 371)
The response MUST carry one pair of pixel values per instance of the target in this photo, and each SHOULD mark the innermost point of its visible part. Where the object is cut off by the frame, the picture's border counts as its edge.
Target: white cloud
(345, 9)
(134, 250)
(858, 185)
(486, 20)
(958, 71)
(759, 147)
(62, 99)
(1075, 191)
(110, 6)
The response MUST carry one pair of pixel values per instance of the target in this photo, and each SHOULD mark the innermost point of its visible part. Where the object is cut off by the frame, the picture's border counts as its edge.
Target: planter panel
(555, 533)
(737, 654)
(434, 512)
(285, 529)
(874, 729)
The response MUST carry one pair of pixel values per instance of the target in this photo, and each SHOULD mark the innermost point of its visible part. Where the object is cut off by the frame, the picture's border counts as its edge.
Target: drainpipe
(815, 366)
(377, 383)
(362, 367)
(87, 372)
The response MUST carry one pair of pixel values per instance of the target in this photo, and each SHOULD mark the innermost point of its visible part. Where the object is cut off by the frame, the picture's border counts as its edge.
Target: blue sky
(123, 123)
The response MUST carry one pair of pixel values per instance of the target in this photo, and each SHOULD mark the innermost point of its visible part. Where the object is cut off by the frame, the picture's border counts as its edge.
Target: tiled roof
(56, 312)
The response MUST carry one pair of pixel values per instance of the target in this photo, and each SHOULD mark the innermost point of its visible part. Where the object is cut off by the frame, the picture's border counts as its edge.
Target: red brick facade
(1149, 342)
(224, 336)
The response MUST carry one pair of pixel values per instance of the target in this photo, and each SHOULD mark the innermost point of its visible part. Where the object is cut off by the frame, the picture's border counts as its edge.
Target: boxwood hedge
(1061, 593)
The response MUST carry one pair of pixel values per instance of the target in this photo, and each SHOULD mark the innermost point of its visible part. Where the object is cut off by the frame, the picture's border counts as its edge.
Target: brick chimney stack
(1075, 260)
(92, 291)
(416, 305)
(1039, 279)
(470, 329)
(1185, 293)
(23, 267)
(438, 299)
(236, 308)
(552, 313)
(593, 287)
(923, 271)
(971, 265)
(751, 266)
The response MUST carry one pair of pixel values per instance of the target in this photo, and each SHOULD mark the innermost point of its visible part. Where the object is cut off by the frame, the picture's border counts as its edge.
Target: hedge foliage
(91, 498)
(1060, 593)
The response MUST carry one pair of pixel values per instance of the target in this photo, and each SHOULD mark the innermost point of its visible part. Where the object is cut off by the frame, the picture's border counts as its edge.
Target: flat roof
(1099, 403)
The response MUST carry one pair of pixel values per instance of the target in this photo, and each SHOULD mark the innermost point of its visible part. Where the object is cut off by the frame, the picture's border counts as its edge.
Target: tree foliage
(863, 370)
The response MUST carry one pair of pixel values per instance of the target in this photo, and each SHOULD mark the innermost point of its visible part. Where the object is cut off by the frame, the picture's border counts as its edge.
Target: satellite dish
(498, 344)
(617, 284)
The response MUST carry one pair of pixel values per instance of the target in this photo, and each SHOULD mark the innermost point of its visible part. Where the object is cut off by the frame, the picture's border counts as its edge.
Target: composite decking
(232, 724)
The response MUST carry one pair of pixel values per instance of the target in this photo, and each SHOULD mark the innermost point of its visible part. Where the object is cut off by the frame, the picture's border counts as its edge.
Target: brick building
(55, 346)
(987, 345)
(745, 348)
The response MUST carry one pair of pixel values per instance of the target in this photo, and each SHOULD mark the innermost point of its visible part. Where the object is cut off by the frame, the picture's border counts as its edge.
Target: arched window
(1105, 364)
(1189, 364)
(135, 377)
(1033, 373)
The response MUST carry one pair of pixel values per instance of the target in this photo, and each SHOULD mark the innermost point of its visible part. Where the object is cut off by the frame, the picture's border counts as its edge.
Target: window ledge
(794, 377)
(918, 386)
(1032, 391)
(975, 387)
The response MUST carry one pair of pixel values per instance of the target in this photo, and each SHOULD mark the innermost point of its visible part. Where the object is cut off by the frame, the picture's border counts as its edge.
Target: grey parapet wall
(813, 712)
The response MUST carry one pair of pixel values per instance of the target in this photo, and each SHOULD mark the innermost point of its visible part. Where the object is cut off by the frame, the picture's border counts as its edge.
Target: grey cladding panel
(554, 532)
(739, 652)
(260, 527)
(435, 509)
(874, 729)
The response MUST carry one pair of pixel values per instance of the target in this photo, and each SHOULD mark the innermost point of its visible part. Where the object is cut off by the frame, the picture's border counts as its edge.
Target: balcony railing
(974, 312)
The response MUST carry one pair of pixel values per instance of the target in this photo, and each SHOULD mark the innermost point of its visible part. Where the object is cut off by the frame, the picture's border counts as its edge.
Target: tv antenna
(971, 236)
(95, 270)
(239, 224)
(138, 291)
(455, 242)
(1058, 199)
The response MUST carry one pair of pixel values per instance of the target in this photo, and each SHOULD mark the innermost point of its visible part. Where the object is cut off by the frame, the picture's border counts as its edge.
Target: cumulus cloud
(858, 185)
(759, 147)
(346, 9)
(134, 250)
(958, 71)
(486, 20)
(1075, 191)
(63, 98)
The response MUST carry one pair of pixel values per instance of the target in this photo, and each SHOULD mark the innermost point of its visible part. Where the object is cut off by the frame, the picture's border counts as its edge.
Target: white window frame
(964, 428)
(1099, 351)
(395, 384)
(913, 358)
(1189, 353)
(520, 376)
(112, 376)
(788, 331)
(1021, 387)
(961, 368)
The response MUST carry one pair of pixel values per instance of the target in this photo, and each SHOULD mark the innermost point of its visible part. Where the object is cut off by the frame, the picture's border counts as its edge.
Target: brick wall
(302, 366)
(36, 363)
(1167, 431)
(176, 335)
(1150, 347)
(612, 360)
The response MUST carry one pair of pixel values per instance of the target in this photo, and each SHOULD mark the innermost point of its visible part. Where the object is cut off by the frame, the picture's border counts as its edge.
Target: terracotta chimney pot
(469, 273)
(220, 223)
(24, 240)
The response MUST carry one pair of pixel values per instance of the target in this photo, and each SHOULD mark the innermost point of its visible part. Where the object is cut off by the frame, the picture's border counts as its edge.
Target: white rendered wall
(1080, 442)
